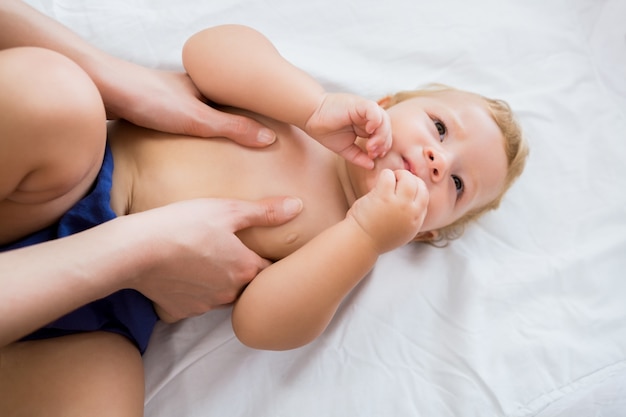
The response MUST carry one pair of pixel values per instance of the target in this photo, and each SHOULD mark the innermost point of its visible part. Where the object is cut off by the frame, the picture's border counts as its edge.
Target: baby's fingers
(410, 187)
(355, 155)
(413, 193)
(406, 184)
(379, 130)
(386, 184)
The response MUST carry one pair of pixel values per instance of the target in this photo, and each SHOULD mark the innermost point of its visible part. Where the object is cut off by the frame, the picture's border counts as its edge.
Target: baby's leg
(90, 374)
(52, 138)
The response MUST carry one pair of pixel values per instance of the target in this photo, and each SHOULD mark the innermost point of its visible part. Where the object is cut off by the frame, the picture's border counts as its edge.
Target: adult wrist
(133, 252)
(109, 74)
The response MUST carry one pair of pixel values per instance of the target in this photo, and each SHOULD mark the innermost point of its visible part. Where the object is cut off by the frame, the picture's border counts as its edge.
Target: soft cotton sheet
(525, 315)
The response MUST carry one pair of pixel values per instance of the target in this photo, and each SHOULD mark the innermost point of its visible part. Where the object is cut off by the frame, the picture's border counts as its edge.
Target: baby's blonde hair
(515, 148)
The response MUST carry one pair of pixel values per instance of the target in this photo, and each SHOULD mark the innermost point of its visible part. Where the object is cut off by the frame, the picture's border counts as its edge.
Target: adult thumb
(240, 129)
(272, 211)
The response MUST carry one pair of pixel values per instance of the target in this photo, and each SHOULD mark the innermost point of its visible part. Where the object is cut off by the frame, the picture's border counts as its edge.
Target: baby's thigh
(90, 374)
(52, 138)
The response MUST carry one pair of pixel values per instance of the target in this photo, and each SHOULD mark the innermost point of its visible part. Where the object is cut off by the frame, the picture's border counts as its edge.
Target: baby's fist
(392, 213)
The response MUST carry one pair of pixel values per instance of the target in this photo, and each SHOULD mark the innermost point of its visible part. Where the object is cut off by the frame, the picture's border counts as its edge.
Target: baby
(370, 177)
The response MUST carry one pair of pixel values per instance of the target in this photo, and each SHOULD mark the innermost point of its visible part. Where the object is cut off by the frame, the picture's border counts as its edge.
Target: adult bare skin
(160, 100)
(185, 257)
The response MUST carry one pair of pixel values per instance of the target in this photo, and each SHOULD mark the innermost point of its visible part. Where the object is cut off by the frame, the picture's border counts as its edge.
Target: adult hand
(185, 257)
(196, 263)
(170, 102)
(160, 100)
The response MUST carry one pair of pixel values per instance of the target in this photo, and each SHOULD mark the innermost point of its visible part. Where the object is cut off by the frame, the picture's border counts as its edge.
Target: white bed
(523, 316)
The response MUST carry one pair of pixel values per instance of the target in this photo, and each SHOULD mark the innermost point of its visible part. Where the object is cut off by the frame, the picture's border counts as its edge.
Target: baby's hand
(341, 118)
(392, 213)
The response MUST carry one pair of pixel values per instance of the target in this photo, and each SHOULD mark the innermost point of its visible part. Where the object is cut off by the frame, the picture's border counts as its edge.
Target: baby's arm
(292, 301)
(237, 66)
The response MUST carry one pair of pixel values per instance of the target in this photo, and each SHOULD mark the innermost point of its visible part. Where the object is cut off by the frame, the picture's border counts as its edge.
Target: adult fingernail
(292, 206)
(266, 136)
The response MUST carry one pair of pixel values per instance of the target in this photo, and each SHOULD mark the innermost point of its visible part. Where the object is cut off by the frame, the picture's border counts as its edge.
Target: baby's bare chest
(179, 169)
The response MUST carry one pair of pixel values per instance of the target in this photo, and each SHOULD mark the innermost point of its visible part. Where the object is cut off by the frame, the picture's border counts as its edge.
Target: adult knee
(52, 124)
(40, 84)
(89, 374)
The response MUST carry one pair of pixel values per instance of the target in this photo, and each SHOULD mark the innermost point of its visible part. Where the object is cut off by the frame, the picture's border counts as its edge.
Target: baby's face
(452, 143)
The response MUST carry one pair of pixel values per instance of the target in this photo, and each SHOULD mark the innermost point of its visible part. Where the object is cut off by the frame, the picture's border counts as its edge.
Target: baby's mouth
(408, 166)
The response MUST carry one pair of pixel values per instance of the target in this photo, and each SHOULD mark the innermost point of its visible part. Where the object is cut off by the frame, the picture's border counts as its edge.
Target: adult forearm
(42, 282)
(184, 257)
(22, 25)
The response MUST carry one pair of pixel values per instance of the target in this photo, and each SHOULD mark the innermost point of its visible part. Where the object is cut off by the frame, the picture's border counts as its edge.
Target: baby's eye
(458, 184)
(441, 128)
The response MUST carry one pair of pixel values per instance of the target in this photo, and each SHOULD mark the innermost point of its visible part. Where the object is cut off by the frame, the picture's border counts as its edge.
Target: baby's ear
(426, 236)
(384, 102)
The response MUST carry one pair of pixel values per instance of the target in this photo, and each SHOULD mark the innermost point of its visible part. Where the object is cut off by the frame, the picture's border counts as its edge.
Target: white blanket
(523, 316)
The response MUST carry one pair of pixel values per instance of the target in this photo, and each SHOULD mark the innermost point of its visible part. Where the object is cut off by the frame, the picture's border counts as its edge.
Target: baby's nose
(437, 164)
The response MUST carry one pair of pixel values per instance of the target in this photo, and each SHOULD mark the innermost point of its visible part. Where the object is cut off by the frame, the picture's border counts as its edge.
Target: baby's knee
(40, 83)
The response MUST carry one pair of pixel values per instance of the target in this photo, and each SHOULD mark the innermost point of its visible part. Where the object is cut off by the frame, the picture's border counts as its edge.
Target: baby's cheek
(435, 214)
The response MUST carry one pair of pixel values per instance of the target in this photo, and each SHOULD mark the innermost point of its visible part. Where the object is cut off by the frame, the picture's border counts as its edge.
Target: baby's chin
(362, 180)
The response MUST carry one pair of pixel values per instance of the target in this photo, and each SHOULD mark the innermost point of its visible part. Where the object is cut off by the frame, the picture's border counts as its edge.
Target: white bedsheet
(523, 316)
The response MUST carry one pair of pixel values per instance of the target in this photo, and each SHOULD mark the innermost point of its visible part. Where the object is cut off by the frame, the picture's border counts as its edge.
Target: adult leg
(52, 138)
(90, 374)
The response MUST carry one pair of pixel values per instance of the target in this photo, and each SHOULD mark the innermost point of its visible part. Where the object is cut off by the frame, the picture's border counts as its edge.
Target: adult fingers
(211, 122)
(272, 211)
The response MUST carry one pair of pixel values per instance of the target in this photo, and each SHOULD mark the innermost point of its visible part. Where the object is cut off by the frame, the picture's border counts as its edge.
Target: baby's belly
(153, 169)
